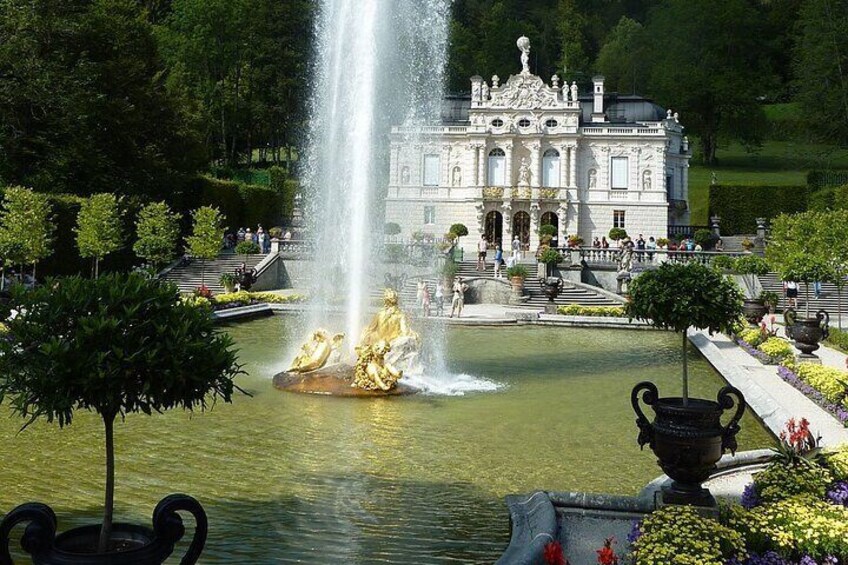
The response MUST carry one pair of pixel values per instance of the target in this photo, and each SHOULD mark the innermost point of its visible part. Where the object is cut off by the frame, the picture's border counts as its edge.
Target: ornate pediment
(524, 92)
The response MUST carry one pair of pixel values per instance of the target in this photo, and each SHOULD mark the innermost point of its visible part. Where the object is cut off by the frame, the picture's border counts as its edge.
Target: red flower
(606, 555)
(553, 554)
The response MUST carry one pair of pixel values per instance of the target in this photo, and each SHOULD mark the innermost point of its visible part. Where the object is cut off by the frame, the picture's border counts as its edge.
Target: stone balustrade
(598, 257)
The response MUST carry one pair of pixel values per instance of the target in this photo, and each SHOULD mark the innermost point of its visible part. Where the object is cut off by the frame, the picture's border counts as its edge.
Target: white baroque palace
(521, 154)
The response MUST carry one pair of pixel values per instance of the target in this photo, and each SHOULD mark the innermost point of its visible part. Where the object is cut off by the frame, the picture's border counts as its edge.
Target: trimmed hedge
(243, 205)
(817, 179)
(739, 206)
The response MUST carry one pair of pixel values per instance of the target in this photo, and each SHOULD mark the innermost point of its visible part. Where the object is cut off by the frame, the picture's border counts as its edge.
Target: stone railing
(296, 247)
(613, 130)
(594, 256)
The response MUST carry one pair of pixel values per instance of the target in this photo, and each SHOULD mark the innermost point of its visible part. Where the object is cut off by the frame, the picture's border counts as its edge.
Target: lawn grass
(775, 163)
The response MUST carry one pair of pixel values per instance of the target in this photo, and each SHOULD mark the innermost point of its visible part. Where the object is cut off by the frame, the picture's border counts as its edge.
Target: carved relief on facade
(593, 178)
(646, 179)
(524, 92)
(549, 193)
(456, 177)
(493, 192)
(404, 176)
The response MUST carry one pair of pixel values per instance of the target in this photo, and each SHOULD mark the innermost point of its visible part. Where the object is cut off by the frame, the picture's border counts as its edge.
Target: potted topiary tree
(751, 267)
(686, 434)
(551, 285)
(616, 234)
(114, 345)
(459, 230)
(517, 274)
(547, 233)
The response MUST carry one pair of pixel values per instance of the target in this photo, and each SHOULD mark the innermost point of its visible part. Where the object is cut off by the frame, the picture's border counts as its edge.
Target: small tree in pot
(517, 274)
(807, 332)
(115, 345)
(686, 435)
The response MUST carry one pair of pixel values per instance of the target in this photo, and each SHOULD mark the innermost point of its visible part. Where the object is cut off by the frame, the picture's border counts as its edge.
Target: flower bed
(597, 311)
(794, 513)
(244, 298)
(772, 351)
(837, 410)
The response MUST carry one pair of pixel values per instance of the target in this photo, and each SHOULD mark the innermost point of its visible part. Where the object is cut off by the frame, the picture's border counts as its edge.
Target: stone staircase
(827, 300)
(468, 270)
(188, 277)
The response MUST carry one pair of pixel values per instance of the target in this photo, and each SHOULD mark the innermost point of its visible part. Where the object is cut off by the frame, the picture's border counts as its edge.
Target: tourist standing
(498, 261)
(482, 248)
(604, 242)
(719, 246)
(440, 299)
(458, 301)
(817, 289)
(596, 243)
(791, 289)
(651, 246)
(419, 293)
(516, 248)
(240, 234)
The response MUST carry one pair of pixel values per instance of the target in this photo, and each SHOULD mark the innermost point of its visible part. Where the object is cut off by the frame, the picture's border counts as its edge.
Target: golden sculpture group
(371, 371)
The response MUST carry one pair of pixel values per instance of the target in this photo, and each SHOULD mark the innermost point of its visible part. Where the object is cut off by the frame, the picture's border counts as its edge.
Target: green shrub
(817, 179)
(739, 206)
(836, 459)
(770, 298)
(550, 256)
(228, 281)
(247, 248)
(244, 298)
(779, 481)
(840, 197)
(704, 238)
(678, 535)
(459, 229)
(391, 228)
(723, 262)
(751, 265)
(517, 271)
(260, 205)
(548, 229)
(598, 311)
(395, 253)
(616, 234)
(449, 270)
(838, 339)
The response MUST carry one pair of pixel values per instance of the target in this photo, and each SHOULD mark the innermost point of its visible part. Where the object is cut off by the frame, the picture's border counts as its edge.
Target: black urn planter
(807, 332)
(140, 545)
(551, 286)
(688, 440)
(754, 310)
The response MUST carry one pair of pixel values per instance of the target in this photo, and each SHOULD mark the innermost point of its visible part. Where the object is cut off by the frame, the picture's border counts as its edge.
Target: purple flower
(768, 558)
(750, 498)
(807, 560)
(838, 493)
(837, 410)
(635, 532)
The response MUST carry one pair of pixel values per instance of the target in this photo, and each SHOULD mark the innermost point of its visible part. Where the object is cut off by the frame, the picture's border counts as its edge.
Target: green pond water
(289, 478)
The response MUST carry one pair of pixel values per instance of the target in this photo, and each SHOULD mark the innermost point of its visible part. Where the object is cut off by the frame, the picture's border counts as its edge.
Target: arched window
(497, 167)
(550, 169)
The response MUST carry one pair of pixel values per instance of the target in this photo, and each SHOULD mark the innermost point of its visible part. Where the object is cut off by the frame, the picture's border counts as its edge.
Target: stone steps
(188, 277)
(828, 298)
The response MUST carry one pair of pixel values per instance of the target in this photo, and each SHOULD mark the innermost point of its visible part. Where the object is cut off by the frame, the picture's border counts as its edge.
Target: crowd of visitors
(260, 237)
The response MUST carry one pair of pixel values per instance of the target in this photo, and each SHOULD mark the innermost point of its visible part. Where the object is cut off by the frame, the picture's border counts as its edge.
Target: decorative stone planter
(551, 286)
(517, 284)
(688, 440)
(754, 310)
(807, 332)
(139, 545)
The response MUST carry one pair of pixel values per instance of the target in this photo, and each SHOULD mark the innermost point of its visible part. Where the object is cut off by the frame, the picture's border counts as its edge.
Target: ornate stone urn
(807, 332)
(140, 545)
(688, 440)
(754, 309)
(551, 286)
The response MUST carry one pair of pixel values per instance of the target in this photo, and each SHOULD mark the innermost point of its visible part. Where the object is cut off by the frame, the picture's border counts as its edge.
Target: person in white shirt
(482, 248)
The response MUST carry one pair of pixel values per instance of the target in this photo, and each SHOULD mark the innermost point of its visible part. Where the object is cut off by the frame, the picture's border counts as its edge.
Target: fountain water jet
(379, 63)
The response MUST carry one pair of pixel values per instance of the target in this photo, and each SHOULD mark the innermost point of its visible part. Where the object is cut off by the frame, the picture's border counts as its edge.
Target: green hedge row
(829, 198)
(243, 205)
(739, 206)
(817, 179)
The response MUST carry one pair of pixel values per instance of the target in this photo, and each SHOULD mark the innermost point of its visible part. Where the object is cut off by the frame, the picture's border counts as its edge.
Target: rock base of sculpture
(333, 380)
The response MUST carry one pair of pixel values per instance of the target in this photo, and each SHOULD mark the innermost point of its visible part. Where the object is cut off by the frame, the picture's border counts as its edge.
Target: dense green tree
(157, 231)
(98, 229)
(822, 66)
(622, 58)
(243, 63)
(206, 237)
(26, 226)
(708, 64)
(83, 105)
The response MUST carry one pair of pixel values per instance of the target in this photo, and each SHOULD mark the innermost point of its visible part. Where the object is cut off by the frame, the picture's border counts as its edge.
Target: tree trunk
(685, 370)
(34, 263)
(109, 505)
(708, 148)
(807, 294)
(202, 272)
(96, 267)
(839, 306)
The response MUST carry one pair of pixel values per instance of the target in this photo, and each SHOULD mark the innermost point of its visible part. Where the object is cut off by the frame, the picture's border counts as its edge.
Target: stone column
(473, 171)
(572, 166)
(562, 214)
(509, 178)
(535, 148)
(564, 160)
(534, 226)
(481, 164)
(506, 211)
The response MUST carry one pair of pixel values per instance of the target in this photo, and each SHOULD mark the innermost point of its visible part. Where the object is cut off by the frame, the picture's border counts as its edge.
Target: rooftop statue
(523, 44)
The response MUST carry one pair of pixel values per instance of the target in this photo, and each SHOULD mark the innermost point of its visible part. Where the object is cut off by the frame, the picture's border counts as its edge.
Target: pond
(288, 478)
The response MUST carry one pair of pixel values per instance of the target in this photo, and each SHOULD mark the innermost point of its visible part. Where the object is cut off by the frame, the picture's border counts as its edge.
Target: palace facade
(517, 155)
